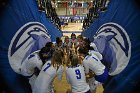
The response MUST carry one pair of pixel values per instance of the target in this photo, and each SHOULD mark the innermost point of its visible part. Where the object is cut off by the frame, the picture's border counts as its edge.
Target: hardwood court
(72, 28)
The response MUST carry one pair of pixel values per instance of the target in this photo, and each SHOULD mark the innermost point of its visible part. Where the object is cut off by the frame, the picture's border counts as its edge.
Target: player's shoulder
(48, 61)
(61, 68)
(80, 67)
(96, 54)
(33, 55)
(88, 57)
(71, 67)
(68, 69)
(91, 58)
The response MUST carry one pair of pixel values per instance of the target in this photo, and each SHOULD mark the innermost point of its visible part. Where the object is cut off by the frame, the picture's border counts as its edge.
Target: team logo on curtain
(29, 38)
(114, 44)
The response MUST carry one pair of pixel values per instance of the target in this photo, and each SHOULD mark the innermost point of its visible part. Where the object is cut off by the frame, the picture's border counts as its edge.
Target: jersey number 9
(78, 74)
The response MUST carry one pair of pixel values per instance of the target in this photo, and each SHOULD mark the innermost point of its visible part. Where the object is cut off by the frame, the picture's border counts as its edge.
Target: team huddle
(84, 69)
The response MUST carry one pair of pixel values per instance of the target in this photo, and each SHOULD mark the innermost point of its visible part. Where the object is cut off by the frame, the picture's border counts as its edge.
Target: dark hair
(58, 40)
(45, 54)
(80, 36)
(83, 50)
(49, 44)
(41, 52)
(87, 44)
(74, 60)
(73, 35)
(86, 40)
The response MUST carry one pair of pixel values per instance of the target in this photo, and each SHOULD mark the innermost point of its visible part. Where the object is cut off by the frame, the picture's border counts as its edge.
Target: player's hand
(90, 75)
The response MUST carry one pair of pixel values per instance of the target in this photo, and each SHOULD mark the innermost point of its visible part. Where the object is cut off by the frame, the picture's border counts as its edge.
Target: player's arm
(26, 66)
(99, 69)
(23, 69)
(91, 74)
(86, 67)
(39, 64)
(60, 72)
(67, 77)
(100, 57)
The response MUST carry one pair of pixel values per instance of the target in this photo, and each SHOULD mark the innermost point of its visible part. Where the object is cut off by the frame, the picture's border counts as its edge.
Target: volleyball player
(49, 71)
(76, 76)
(34, 62)
(93, 63)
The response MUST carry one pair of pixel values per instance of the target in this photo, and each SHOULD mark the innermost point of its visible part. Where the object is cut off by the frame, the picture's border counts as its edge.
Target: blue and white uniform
(30, 63)
(76, 78)
(43, 83)
(92, 62)
(92, 82)
(96, 53)
(28, 67)
(93, 46)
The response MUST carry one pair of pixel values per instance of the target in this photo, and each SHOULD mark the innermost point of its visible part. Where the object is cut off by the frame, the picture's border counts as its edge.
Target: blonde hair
(57, 58)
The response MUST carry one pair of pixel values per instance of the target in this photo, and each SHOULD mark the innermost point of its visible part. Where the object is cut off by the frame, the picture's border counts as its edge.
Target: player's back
(76, 77)
(44, 81)
(95, 53)
(30, 63)
(93, 63)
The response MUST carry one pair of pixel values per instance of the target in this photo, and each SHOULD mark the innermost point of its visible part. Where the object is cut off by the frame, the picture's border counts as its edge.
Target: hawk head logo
(29, 38)
(114, 44)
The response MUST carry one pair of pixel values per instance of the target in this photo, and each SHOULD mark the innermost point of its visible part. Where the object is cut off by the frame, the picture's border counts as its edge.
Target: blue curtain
(13, 16)
(126, 13)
